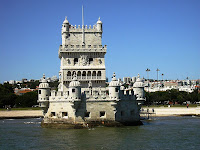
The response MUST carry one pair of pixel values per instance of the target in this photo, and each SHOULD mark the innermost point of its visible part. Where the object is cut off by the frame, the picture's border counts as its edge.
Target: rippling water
(159, 133)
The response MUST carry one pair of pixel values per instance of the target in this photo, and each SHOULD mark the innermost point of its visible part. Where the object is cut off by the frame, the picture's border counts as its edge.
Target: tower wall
(82, 54)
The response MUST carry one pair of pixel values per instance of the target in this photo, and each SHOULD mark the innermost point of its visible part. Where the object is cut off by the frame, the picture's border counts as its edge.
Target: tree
(7, 96)
(172, 95)
(27, 100)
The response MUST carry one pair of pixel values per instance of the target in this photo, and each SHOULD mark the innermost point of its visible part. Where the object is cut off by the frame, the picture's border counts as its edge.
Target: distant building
(24, 80)
(31, 80)
(54, 78)
(134, 79)
(22, 91)
(127, 80)
(12, 82)
(172, 85)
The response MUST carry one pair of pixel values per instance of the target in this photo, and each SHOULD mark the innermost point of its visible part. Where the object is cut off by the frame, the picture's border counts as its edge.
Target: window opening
(75, 60)
(102, 113)
(53, 114)
(87, 114)
(90, 60)
(64, 114)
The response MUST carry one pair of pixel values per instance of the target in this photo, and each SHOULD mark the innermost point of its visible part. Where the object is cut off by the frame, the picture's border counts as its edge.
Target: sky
(139, 34)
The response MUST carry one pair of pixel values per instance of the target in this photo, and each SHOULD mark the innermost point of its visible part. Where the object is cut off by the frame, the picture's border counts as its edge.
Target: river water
(159, 133)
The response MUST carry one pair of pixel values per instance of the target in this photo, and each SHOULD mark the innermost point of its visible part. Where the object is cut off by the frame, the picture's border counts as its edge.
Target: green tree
(7, 96)
(27, 100)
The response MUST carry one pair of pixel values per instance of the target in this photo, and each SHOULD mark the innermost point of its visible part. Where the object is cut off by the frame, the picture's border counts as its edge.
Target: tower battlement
(79, 28)
(82, 35)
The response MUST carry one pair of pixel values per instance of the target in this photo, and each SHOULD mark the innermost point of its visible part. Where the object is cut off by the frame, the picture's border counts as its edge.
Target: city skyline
(139, 35)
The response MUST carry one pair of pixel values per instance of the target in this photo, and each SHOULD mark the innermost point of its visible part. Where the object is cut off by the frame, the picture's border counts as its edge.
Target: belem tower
(83, 99)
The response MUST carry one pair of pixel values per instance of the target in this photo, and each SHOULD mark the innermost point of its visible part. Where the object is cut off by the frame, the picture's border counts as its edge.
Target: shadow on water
(158, 133)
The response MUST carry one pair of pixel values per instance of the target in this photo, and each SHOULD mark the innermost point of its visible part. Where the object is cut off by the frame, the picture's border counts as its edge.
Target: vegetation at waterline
(171, 96)
(7, 97)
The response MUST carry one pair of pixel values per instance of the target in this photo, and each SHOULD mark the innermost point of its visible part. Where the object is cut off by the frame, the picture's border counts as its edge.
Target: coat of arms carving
(84, 60)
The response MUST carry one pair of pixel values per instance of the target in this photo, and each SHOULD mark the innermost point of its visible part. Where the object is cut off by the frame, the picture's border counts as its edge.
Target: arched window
(69, 75)
(73, 74)
(89, 75)
(79, 75)
(84, 75)
(94, 75)
(99, 75)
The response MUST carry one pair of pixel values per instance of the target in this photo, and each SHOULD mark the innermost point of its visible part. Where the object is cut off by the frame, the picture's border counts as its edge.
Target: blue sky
(139, 34)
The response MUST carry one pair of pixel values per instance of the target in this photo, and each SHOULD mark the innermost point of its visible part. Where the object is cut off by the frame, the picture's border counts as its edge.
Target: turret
(65, 31)
(43, 94)
(99, 25)
(75, 89)
(138, 87)
(114, 88)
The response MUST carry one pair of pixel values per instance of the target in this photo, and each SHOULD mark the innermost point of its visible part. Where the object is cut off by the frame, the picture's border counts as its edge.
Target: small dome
(139, 80)
(65, 21)
(138, 83)
(99, 21)
(114, 81)
(44, 83)
(74, 82)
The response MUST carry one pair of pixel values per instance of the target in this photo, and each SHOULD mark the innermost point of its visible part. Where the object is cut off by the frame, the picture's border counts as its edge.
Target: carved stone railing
(84, 46)
(81, 48)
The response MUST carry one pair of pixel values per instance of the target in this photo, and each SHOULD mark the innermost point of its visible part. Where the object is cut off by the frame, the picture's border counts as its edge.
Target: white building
(82, 98)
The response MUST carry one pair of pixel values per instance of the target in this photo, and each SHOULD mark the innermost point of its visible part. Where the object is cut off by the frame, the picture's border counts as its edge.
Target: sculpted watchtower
(82, 54)
(82, 98)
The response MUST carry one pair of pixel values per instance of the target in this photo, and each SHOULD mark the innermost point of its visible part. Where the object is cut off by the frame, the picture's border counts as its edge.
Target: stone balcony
(82, 48)
(85, 78)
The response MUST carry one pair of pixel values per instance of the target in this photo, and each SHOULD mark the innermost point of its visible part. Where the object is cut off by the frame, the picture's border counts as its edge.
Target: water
(160, 133)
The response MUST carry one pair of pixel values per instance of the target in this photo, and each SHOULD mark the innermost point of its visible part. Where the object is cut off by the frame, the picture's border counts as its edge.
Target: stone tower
(82, 54)
(82, 99)
(44, 93)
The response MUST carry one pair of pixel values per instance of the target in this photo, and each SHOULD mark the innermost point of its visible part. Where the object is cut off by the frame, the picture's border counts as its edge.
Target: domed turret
(75, 89)
(65, 31)
(139, 83)
(138, 87)
(43, 93)
(65, 25)
(99, 25)
(114, 88)
(44, 83)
